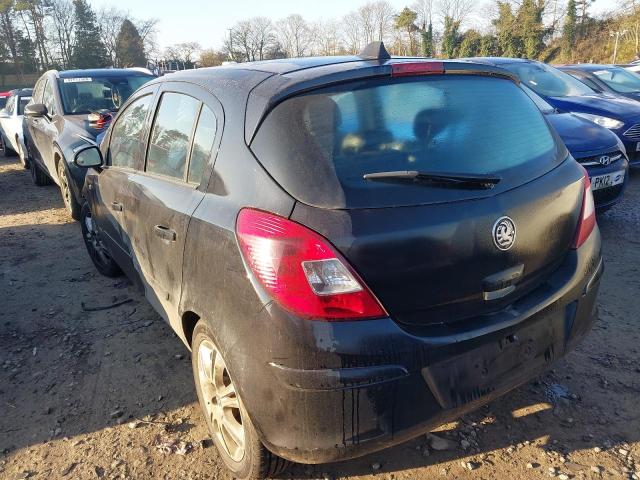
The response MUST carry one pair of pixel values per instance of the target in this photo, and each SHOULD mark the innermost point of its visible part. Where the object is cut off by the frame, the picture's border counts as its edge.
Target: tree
(450, 38)
(33, 13)
(110, 21)
(211, 58)
(294, 34)
(532, 31)
(488, 46)
(89, 50)
(61, 29)
(405, 21)
(507, 32)
(569, 31)
(470, 45)
(427, 41)
(129, 47)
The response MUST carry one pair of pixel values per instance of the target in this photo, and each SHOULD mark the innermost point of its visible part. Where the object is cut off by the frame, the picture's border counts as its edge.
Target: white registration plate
(606, 181)
(638, 147)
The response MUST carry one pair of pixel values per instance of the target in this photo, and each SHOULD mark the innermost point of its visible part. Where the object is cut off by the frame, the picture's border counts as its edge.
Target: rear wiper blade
(452, 179)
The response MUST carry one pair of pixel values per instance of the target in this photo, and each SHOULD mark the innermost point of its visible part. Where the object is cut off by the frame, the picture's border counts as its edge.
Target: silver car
(11, 139)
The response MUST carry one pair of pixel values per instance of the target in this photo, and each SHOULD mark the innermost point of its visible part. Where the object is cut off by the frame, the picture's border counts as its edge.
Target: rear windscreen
(319, 146)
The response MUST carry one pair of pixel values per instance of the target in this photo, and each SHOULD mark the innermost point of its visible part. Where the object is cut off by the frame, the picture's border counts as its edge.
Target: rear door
(432, 251)
(124, 157)
(47, 131)
(162, 198)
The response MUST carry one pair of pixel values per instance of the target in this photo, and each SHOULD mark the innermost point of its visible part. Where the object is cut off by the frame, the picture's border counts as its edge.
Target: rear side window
(171, 135)
(320, 145)
(202, 144)
(126, 137)
(23, 103)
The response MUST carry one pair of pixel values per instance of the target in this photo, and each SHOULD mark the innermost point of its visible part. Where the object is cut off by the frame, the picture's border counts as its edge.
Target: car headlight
(606, 122)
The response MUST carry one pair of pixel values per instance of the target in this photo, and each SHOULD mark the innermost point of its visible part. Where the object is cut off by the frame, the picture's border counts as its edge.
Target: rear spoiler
(277, 88)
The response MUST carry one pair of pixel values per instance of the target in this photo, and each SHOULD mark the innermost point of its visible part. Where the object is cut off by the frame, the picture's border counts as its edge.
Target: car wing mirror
(35, 110)
(88, 156)
(4, 113)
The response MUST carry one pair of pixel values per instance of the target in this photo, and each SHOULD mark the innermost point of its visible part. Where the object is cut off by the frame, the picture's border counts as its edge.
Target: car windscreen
(619, 79)
(542, 104)
(3, 102)
(320, 145)
(546, 80)
(81, 95)
(22, 102)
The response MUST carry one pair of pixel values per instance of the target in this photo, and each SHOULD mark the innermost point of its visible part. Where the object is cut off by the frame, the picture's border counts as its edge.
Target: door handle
(165, 233)
(116, 206)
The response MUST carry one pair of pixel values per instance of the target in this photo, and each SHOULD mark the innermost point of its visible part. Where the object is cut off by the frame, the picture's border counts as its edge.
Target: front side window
(82, 95)
(202, 144)
(48, 99)
(37, 90)
(11, 105)
(171, 135)
(619, 79)
(546, 80)
(23, 103)
(126, 138)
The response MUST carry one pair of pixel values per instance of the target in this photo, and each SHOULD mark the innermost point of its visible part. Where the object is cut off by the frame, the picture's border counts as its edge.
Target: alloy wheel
(221, 402)
(64, 188)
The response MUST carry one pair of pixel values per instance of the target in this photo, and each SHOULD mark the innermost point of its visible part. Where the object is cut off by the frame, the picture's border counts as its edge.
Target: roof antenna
(375, 51)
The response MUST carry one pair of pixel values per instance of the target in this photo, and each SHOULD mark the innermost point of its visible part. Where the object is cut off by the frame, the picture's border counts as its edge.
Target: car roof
(498, 60)
(22, 92)
(255, 87)
(587, 67)
(100, 72)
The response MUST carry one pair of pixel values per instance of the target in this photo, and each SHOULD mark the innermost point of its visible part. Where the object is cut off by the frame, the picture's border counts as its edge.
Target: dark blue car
(569, 95)
(609, 79)
(596, 148)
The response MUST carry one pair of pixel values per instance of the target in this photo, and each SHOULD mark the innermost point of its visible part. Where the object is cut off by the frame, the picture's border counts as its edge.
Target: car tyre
(100, 256)
(38, 176)
(228, 423)
(73, 207)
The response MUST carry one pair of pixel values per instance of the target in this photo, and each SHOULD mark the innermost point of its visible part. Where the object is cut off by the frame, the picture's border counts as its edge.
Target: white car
(11, 139)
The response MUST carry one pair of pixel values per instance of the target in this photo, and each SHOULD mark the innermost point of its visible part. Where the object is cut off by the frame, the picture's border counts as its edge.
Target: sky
(207, 21)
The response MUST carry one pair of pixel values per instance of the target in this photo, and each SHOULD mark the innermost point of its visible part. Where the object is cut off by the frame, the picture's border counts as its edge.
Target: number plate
(606, 181)
(638, 147)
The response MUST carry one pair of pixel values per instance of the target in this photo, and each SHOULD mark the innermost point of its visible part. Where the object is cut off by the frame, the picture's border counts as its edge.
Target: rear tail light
(587, 220)
(301, 270)
(99, 119)
(416, 68)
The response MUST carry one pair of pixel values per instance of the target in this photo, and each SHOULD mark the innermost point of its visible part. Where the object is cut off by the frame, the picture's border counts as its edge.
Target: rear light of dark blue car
(301, 271)
(587, 220)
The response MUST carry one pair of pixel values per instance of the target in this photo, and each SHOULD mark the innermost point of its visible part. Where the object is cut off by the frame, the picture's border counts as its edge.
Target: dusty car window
(126, 136)
(329, 139)
(202, 144)
(171, 135)
(48, 99)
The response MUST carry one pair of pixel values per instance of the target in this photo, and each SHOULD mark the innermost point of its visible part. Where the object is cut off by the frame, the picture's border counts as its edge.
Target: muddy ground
(109, 394)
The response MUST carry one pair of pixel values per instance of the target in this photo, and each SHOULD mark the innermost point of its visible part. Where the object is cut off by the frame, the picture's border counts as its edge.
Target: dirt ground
(109, 394)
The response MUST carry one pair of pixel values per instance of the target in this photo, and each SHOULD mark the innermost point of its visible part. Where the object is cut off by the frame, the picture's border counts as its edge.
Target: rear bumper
(352, 388)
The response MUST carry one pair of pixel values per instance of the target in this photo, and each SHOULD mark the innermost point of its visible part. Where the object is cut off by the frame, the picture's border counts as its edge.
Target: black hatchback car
(356, 249)
(67, 109)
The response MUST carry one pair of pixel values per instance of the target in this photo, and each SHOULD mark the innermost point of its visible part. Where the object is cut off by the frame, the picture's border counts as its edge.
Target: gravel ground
(109, 394)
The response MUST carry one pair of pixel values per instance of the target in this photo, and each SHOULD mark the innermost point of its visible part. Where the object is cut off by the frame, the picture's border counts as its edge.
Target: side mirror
(88, 156)
(4, 114)
(35, 110)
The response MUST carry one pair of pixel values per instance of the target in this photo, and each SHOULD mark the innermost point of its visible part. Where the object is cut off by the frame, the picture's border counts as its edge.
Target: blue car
(568, 95)
(609, 79)
(596, 148)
